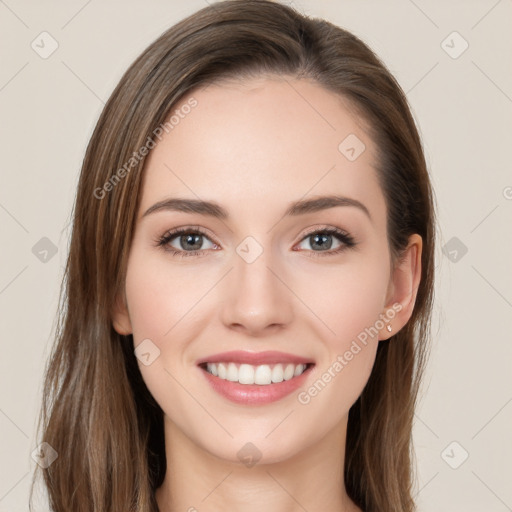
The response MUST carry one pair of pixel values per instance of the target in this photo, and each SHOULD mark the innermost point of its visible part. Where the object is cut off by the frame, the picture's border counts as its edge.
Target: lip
(254, 358)
(255, 394)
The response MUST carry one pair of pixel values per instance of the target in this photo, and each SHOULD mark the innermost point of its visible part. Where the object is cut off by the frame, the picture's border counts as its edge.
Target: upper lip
(254, 358)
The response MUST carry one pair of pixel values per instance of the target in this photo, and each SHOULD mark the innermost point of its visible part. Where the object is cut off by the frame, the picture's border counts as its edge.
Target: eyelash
(346, 239)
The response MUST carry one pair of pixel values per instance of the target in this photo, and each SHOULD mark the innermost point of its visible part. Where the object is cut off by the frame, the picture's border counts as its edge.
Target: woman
(216, 350)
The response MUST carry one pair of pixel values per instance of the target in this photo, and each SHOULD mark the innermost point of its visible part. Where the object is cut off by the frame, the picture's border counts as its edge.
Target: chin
(253, 450)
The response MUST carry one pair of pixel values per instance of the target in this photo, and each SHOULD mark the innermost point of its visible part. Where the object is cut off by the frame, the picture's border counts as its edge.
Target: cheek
(351, 310)
(346, 298)
(160, 300)
(159, 297)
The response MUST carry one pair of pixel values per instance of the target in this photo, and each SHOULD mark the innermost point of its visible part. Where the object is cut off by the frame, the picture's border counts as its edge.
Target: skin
(254, 147)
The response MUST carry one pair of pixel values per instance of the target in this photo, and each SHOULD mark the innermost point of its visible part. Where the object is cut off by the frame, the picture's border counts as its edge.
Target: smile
(255, 378)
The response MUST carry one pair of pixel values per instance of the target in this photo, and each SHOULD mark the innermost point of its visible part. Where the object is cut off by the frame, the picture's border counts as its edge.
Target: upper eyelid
(172, 233)
(326, 227)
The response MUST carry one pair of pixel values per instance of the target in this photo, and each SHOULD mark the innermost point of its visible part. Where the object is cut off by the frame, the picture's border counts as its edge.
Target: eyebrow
(213, 209)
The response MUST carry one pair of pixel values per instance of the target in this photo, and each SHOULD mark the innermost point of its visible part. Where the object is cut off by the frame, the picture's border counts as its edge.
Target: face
(309, 282)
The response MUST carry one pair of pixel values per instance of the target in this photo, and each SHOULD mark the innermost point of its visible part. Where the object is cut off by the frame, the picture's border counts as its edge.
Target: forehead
(264, 141)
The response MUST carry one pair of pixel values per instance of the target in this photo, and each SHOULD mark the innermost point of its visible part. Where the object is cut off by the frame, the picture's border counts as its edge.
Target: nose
(258, 299)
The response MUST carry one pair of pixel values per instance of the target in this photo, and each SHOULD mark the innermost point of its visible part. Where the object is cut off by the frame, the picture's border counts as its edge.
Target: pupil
(323, 237)
(185, 239)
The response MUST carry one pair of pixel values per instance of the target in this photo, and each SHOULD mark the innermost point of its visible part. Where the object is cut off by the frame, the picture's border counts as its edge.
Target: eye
(184, 239)
(323, 239)
(188, 241)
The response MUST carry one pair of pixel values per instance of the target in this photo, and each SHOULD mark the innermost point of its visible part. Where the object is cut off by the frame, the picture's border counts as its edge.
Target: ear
(121, 316)
(403, 288)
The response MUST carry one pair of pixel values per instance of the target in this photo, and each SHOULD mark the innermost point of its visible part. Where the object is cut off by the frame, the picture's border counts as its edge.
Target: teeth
(248, 374)
(232, 373)
(262, 375)
(277, 373)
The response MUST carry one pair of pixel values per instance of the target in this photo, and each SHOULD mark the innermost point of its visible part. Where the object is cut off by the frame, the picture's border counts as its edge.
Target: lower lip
(255, 394)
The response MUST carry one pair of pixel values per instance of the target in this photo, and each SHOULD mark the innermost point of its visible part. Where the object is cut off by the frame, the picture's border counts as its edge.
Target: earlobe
(404, 285)
(120, 317)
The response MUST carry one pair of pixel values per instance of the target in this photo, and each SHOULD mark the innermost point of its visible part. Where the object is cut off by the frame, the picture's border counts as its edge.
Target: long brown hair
(97, 413)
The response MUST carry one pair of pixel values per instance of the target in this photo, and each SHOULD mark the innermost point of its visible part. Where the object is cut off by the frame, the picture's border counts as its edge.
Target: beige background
(464, 109)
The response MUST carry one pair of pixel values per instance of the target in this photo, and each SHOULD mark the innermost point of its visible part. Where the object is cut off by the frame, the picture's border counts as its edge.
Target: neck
(196, 480)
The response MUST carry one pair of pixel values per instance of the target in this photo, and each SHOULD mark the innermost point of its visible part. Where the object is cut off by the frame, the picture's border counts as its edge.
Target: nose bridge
(256, 296)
